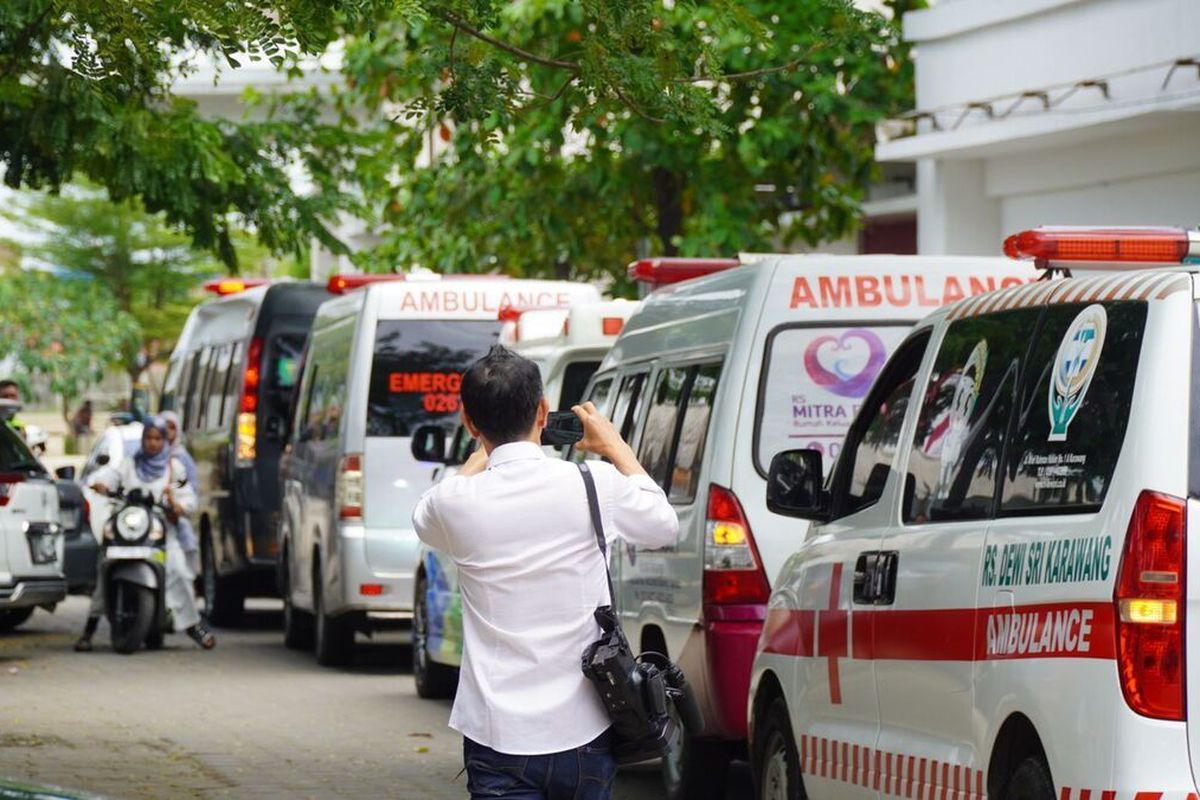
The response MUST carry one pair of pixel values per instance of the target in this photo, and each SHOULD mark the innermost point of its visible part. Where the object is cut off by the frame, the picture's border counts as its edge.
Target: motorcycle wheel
(130, 616)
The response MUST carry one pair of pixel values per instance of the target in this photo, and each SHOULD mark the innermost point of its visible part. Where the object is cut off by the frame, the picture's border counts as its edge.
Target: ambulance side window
(871, 444)
(693, 433)
(1074, 408)
(658, 437)
(958, 441)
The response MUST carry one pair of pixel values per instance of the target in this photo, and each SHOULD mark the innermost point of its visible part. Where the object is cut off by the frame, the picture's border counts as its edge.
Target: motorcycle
(133, 572)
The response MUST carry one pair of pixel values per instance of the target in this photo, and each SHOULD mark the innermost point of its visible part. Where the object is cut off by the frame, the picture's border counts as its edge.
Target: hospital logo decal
(845, 365)
(1074, 365)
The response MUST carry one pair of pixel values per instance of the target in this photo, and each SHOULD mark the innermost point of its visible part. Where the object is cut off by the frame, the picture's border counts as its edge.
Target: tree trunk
(668, 199)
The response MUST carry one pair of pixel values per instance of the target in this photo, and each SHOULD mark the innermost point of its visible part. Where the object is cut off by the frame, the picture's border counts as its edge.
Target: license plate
(142, 553)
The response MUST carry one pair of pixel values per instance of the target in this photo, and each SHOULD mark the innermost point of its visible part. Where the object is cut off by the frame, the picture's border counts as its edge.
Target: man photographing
(531, 575)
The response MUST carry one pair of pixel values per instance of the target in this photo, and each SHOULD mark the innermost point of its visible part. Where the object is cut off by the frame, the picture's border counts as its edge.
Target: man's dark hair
(500, 393)
(7, 382)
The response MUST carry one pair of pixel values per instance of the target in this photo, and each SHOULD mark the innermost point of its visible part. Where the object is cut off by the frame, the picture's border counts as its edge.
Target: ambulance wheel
(692, 768)
(224, 595)
(297, 624)
(776, 761)
(334, 635)
(1030, 781)
(434, 681)
(14, 617)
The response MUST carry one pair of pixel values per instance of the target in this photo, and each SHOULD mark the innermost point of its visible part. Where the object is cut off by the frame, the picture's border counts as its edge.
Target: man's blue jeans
(584, 773)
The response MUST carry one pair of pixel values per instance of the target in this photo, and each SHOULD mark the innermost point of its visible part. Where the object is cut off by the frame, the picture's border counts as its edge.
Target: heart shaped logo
(845, 365)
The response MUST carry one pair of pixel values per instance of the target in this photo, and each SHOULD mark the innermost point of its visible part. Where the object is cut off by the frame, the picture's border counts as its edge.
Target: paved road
(249, 719)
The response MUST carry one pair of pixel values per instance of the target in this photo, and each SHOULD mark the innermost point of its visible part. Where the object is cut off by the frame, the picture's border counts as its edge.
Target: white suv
(31, 542)
(995, 595)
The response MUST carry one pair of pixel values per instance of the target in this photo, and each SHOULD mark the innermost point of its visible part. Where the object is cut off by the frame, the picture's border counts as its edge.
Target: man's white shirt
(531, 576)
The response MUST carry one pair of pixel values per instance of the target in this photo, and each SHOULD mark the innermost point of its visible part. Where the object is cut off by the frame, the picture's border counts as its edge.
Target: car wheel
(693, 768)
(1030, 781)
(297, 624)
(334, 638)
(14, 617)
(224, 595)
(434, 681)
(776, 762)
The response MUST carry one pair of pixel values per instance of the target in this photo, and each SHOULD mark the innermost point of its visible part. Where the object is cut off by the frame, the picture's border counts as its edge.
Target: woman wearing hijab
(187, 535)
(154, 469)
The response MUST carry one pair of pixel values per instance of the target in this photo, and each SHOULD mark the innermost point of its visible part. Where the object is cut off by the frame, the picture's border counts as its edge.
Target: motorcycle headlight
(133, 523)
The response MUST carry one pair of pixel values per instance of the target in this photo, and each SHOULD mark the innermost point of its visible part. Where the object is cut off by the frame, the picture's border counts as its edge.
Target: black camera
(635, 691)
(563, 428)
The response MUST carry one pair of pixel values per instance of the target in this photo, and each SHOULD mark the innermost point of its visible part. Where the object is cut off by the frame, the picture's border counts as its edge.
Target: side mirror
(102, 459)
(429, 444)
(794, 485)
(65, 473)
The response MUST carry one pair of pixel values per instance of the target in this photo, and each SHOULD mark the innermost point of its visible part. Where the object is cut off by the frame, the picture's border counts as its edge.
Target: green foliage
(85, 88)
(575, 134)
(68, 330)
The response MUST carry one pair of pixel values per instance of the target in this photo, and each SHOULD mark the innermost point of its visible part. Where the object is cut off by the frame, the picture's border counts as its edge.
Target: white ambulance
(568, 345)
(708, 382)
(383, 358)
(994, 596)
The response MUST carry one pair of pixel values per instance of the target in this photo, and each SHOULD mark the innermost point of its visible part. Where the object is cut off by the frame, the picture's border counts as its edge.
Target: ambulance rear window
(814, 380)
(1074, 408)
(417, 371)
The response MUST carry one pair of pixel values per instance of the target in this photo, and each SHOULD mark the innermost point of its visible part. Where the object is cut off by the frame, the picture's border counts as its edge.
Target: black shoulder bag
(635, 690)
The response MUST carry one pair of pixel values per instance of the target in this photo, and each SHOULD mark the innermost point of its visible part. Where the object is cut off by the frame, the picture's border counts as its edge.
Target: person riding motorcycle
(154, 470)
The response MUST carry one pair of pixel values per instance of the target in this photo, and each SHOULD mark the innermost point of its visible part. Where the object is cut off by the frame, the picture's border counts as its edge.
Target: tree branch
(22, 41)
(525, 55)
(790, 66)
(633, 106)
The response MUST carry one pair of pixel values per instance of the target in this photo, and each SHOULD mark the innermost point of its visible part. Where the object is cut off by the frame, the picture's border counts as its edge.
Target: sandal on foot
(84, 645)
(202, 636)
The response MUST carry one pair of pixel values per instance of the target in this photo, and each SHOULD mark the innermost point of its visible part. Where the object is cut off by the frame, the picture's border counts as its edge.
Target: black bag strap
(589, 484)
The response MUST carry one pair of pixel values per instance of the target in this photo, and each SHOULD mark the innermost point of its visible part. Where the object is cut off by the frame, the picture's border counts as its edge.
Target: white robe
(181, 598)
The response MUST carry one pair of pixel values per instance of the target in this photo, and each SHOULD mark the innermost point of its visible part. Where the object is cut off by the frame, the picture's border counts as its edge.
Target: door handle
(875, 577)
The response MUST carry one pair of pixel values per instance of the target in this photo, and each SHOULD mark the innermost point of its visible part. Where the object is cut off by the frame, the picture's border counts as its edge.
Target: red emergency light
(227, 286)
(1122, 245)
(340, 284)
(514, 313)
(663, 271)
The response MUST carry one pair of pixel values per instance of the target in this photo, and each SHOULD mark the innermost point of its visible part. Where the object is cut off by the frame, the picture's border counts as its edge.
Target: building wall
(990, 161)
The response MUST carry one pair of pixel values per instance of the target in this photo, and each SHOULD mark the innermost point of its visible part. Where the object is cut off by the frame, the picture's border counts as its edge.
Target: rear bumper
(23, 592)
(730, 639)
(385, 594)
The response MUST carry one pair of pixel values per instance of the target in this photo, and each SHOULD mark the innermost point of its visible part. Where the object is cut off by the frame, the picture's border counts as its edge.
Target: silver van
(381, 361)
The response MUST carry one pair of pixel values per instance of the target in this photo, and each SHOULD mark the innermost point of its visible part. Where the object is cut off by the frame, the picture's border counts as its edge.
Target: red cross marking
(833, 624)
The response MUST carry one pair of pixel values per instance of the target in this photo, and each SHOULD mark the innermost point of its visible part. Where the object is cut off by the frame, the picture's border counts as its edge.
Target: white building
(1043, 112)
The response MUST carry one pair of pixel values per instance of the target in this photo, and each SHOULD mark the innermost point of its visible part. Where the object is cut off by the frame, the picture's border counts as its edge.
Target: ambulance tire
(695, 769)
(434, 681)
(776, 762)
(1030, 781)
(333, 636)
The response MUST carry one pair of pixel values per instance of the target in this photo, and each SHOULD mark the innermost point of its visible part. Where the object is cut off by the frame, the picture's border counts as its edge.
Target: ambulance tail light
(612, 326)
(1149, 601)
(663, 271)
(348, 492)
(733, 571)
(247, 418)
(1123, 245)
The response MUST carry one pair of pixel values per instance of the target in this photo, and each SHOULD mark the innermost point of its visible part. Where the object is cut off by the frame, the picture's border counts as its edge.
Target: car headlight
(133, 523)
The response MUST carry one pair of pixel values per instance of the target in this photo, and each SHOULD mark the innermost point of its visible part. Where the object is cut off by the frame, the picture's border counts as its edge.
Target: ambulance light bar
(227, 286)
(1120, 245)
(340, 284)
(663, 271)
